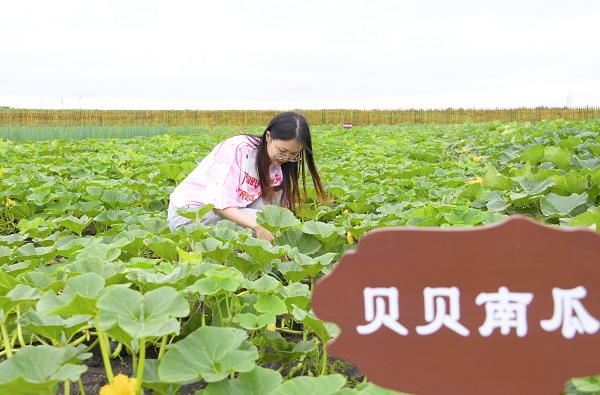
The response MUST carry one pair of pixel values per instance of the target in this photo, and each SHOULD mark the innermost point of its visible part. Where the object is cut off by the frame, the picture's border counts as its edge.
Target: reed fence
(31, 117)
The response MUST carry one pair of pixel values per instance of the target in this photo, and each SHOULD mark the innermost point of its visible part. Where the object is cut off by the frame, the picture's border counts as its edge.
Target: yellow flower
(464, 151)
(477, 180)
(477, 158)
(122, 385)
(9, 203)
(345, 212)
(350, 238)
(271, 327)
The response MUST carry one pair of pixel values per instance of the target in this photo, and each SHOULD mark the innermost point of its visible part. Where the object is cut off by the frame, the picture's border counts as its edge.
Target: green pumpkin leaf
(586, 384)
(329, 235)
(77, 225)
(209, 353)
(302, 385)
(251, 321)
(155, 225)
(5, 255)
(295, 294)
(147, 281)
(195, 213)
(79, 297)
(270, 304)
(152, 381)
(19, 294)
(261, 250)
(325, 331)
(29, 251)
(59, 330)
(553, 204)
(311, 266)
(464, 216)
(276, 219)
(305, 243)
(165, 248)
(287, 352)
(493, 180)
(573, 182)
(533, 154)
(215, 249)
(143, 316)
(291, 271)
(263, 285)
(557, 155)
(104, 251)
(588, 219)
(490, 217)
(535, 187)
(132, 241)
(258, 381)
(52, 365)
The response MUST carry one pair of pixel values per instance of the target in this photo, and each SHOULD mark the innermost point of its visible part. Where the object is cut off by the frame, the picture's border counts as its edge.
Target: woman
(245, 172)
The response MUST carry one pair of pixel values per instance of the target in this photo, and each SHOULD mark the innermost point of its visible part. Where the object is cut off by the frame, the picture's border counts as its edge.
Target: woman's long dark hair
(288, 126)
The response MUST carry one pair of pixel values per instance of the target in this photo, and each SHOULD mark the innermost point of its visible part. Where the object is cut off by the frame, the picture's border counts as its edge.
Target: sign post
(509, 308)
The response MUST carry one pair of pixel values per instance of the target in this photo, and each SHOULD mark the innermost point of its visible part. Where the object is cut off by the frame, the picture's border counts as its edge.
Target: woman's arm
(236, 215)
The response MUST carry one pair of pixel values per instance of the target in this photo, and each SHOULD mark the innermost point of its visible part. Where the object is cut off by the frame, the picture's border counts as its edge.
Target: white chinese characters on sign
(438, 315)
(376, 313)
(504, 310)
(570, 313)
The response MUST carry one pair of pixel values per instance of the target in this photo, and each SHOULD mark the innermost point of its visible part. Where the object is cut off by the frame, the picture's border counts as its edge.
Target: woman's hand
(236, 215)
(263, 234)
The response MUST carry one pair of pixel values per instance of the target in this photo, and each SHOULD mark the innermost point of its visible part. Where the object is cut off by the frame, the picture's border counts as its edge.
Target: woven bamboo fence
(30, 117)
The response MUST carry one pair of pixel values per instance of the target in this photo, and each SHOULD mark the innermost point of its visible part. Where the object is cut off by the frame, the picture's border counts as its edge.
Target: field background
(26, 117)
(83, 197)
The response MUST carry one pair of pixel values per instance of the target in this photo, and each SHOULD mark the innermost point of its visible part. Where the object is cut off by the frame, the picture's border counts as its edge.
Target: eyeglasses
(288, 158)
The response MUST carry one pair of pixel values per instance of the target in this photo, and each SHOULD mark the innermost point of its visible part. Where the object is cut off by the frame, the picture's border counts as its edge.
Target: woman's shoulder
(236, 146)
(243, 141)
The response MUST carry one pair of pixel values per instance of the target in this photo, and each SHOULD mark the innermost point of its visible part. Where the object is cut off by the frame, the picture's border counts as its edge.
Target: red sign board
(509, 308)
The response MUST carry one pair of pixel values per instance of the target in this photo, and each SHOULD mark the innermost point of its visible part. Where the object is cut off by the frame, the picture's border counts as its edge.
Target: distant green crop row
(41, 133)
(83, 229)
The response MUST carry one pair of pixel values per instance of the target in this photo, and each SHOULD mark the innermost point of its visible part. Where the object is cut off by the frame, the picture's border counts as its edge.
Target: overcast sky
(278, 54)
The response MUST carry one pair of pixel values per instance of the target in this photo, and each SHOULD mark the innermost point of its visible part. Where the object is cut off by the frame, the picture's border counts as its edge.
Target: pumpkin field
(88, 265)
